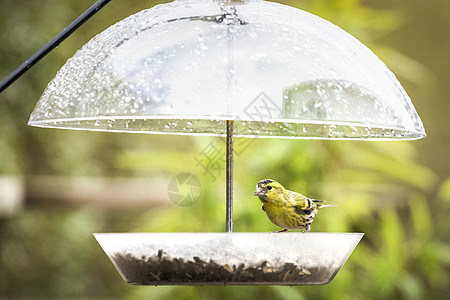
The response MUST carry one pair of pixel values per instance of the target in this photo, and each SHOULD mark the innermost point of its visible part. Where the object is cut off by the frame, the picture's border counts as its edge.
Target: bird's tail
(321, 205)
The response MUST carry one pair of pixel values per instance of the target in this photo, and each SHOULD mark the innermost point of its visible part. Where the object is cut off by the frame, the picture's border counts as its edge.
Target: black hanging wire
(52, 44)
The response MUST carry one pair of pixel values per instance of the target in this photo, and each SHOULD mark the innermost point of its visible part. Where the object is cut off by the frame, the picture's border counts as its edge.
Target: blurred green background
(58, 187)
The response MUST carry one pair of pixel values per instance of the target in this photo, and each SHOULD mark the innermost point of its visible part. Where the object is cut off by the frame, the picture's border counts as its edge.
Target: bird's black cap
(265, 182)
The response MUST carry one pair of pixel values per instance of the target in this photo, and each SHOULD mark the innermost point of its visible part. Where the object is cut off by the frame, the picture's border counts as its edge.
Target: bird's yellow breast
(286, 216)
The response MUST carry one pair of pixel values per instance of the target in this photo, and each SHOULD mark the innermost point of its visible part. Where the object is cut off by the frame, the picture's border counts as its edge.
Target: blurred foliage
(382, 189)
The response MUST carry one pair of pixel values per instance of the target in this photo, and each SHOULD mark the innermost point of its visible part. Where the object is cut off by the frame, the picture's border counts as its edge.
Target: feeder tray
(228, 258)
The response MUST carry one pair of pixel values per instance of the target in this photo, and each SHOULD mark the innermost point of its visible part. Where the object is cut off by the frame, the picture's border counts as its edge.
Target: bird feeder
(229, 68)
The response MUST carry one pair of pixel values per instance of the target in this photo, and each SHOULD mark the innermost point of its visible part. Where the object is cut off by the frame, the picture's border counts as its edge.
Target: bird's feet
(282, 230)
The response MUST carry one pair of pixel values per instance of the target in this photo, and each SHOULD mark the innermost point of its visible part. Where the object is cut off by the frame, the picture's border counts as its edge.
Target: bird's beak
(258, 192)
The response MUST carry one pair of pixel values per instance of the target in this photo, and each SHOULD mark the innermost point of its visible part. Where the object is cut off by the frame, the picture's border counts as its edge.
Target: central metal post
(229, 179)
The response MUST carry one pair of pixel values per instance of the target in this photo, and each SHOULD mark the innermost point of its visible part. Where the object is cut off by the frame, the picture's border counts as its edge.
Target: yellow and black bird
(287, 209)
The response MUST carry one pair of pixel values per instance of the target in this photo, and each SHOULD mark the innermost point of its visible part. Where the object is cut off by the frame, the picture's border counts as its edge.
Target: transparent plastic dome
(188, 66)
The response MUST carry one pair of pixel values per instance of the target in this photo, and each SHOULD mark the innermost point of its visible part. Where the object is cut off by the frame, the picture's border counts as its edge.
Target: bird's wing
(301, 203)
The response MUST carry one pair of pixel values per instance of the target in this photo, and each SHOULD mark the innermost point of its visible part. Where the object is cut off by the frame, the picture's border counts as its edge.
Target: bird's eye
(269, 187)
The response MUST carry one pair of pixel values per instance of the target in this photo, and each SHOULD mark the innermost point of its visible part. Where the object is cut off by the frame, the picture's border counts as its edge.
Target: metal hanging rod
(229, 177)
(52, 44)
